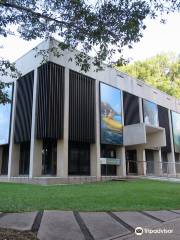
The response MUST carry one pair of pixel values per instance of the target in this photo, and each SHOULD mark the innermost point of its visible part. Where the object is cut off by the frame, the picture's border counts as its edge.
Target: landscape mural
(150, 113)
(5, 118)
(176, 130)
(111, 115)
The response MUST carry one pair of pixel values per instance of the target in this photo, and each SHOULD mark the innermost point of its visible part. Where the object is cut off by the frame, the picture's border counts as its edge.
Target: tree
(161, 71)
(102, 28)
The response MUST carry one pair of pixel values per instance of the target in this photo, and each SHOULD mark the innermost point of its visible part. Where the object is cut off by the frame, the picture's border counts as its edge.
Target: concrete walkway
(68, 225)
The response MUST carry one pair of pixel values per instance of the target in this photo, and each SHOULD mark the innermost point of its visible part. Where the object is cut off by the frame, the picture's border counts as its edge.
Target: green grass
(107, 196)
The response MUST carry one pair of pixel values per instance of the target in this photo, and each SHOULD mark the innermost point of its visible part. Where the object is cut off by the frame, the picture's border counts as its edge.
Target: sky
(111, 96)
(157, 38)
(5, 115)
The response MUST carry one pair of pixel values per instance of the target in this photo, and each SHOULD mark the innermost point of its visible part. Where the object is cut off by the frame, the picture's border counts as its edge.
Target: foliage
(102, 27)
(6, 68)
(161, 71)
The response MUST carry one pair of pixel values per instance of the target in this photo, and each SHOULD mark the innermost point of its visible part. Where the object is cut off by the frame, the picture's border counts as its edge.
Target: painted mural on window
(5, 118)
(150, 113)
(176, 130)
(111, 115)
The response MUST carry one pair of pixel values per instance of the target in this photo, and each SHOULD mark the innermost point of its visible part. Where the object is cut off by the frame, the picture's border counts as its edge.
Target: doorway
(131, 162)
(5, 158)
(108, 151)
(79, 159)
(149, 161)
(24, 158)
(49, 157)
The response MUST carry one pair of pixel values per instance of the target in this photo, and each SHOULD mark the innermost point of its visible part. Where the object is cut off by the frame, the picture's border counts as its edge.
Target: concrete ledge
(57, 180)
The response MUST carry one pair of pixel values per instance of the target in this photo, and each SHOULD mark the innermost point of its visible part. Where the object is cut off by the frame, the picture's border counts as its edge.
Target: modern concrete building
(64, 125)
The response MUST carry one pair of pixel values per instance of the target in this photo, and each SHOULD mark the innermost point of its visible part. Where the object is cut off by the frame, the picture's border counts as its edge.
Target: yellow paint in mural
(112, 124)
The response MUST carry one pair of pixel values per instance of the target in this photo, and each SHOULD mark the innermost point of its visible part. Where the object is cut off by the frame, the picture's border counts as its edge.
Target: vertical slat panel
(50, 111)
(131, 109)
(164, 122)
(81, 108)
(23, 106)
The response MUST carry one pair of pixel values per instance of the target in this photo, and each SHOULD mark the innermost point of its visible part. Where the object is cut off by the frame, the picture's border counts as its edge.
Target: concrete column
(62, 145)
(35, 168)
(62, 158)
(95, 152)
(120, 150)
(141, 161)
(36, 159)
(14, 149)
(1, 152)
(171, 156)
(120, 153)
(141, 111)
(157, 163)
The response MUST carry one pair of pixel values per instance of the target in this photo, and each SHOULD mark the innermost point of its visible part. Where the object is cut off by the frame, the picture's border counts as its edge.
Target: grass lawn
(107, 196)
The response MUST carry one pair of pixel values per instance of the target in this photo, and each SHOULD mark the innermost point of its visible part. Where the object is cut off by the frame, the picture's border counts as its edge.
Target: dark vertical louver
(50, 109)
(81, 108)
(23, 117)
(164, 122)
(131, 109)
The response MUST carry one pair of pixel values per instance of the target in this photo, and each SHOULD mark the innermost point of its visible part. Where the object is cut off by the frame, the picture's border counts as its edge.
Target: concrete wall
(134, 135)
(138, 136)
(156, 139)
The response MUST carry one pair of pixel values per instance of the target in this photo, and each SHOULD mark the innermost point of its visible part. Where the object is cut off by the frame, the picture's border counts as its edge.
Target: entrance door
(49, 157)
(164, 162)
(24, 158)
(108, 151)
(5, 157)
(79, 159)
(131, 162)
(149, 161)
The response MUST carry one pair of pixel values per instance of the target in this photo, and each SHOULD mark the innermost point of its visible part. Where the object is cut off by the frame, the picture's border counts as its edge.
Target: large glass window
(49, 157)
(176, 131)
(111, 115)
(79, 159)
(5, 117)
(24, 158)
(5, 158)
(150, 113)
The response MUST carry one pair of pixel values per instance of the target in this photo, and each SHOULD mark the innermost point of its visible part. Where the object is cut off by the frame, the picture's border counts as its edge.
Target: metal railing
(153, 168)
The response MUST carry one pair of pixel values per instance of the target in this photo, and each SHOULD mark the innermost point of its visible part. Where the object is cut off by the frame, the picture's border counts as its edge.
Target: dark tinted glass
(49, 157)
(79, 159)
(5, 158)
(24, 158)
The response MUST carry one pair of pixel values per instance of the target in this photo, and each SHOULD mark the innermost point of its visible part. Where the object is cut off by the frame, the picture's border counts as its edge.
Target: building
(64, 125)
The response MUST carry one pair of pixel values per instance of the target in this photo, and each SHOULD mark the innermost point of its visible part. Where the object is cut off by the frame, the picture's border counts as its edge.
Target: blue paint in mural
(150, 113)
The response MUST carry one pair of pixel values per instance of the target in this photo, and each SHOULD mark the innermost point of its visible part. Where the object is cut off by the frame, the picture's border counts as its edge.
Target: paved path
(68, 225)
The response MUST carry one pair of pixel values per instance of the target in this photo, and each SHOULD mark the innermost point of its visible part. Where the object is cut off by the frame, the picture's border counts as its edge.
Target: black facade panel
(50, 106)
(24, 100)
(164, 122)
(81, 108)
(131, 109)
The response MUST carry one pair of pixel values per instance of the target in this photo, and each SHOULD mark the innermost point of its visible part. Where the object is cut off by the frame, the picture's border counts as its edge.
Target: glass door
(49, 157)
(131, 162)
